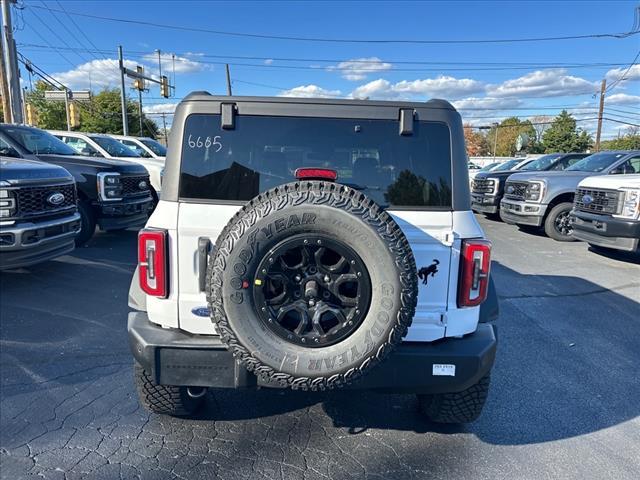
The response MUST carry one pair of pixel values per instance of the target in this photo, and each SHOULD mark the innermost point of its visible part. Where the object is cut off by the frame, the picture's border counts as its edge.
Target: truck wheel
(458, 407)
(311, 285)
(557, 224)
(87, 224)
(165, 399)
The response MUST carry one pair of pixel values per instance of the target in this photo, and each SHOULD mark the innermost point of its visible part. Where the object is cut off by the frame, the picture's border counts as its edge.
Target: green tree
(508, 131)
(102, 114)
(629, 140)
(564, 136)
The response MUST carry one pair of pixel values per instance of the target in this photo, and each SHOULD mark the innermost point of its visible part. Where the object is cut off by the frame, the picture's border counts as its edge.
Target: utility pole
(164, 127)
(495, 141)
(603, 87)
(123, 94)
(4, 88)
(66, 108)
(140, 110)
(159, 65)
(228, 80)
(11, 63)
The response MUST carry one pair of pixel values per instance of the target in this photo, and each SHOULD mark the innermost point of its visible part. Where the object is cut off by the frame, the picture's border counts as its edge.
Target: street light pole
(495, 141)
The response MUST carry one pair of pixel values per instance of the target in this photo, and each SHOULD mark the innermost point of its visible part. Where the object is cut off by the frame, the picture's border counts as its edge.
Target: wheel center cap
(311, 289)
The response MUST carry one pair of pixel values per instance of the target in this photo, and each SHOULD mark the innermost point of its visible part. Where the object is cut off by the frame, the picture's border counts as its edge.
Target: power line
(55, 34)
(71, 33)
(345, 40)
(613, 84)
(354, 61)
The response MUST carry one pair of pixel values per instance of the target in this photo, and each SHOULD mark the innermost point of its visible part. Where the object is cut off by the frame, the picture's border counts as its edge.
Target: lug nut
(319, 241)
(306, 241)
(297, 278)
(312, 302)
(353, 262)
(271, 260)
(316, 340)
(359, 274)
(326, 279)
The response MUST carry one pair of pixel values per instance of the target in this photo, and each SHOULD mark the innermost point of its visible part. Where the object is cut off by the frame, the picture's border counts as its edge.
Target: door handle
(204, 247)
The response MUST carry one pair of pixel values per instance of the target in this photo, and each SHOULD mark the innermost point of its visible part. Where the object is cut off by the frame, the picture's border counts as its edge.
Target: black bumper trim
(611, 227)
(174, 357)
(510, 218)
(26, 257)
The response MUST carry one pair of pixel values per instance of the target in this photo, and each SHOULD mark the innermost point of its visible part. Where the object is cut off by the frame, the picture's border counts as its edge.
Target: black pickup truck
(487, 188)
(112, 194)
(38, 215)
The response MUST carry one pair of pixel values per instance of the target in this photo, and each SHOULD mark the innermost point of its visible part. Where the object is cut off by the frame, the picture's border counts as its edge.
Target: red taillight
(474, 269)
(152, 262)
(316, 174)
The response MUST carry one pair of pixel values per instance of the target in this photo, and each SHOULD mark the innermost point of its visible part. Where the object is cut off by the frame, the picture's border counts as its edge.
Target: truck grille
(483, 186)
(597, 201)
(34, 201)
(517, 192)
(131, 186)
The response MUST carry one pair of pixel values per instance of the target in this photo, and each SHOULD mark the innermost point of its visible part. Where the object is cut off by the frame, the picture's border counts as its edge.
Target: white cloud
(94, 74)
(183, 64)
(358, 68)
(543, 83)
(310, 91)
(622, 99)
(159, 108)
(442, 86)
(479, 104)
(268, 61)
(633, 74)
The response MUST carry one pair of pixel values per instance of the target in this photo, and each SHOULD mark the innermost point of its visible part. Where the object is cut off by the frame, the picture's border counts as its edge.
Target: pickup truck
(487, 188)
(38, 215)
(112, 194)
(606, 212)
(545, 199)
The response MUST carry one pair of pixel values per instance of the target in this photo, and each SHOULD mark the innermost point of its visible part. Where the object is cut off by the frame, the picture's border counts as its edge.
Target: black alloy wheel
(312, 291)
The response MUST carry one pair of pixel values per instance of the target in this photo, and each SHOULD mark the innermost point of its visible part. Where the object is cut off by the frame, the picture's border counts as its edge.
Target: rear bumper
(29, 243)
(128, 214)
(606, 231)
(174, 357)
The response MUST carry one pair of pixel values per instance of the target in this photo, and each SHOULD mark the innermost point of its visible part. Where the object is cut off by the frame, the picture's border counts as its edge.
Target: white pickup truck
(606, 211)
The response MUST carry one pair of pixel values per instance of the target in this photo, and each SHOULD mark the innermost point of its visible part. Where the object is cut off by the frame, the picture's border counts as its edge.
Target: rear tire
(87, 222)
(458, 407)
(557, 225)
(164, 399)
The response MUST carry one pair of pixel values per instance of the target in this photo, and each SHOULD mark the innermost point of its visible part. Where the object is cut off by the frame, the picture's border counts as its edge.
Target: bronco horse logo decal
(431, 270)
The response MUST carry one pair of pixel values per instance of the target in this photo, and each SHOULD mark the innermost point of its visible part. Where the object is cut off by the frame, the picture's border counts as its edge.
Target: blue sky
(547, 78)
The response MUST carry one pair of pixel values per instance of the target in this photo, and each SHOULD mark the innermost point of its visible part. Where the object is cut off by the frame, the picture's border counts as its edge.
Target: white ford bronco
(314, 245)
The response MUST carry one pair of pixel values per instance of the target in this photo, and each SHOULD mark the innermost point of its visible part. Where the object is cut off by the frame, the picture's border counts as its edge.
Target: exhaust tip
(196, 392)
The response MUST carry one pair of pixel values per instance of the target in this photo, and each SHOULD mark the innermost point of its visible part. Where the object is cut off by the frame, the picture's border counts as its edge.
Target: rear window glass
(262, 152)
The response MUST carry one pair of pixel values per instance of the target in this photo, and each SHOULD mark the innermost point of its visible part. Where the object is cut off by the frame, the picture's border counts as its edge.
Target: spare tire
(311, 285)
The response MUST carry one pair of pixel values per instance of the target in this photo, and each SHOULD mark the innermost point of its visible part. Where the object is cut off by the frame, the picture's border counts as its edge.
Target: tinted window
(38, 141)
(264, 152)
(541, 163)
(113, 147)
(155, 147)
(7, 150)
(597, 162)
(508, 165)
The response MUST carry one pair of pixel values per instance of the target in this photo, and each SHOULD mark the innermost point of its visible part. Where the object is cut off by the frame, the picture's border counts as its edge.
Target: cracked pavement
(563, 402)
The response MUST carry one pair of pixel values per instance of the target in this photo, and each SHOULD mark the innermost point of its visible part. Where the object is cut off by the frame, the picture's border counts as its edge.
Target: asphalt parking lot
(564, 400)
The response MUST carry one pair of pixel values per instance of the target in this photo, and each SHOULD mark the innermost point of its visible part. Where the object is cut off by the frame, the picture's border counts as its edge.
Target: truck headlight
(533, 191)
(630, 204)
(109, 186)
(492, 183)
(7, 204)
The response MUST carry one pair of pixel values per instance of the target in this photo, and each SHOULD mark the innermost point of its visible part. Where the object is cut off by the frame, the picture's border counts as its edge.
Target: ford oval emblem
(587, 199)
(142, 185)
(200, 311)
(56, 198)
(511, 189)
